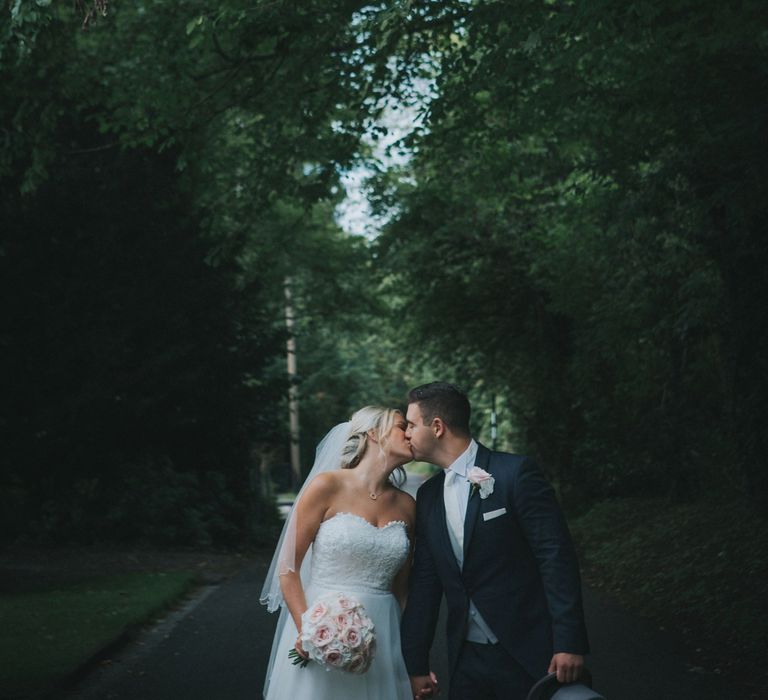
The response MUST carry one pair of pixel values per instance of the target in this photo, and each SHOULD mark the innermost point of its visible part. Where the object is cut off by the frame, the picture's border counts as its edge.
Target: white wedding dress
(354, 557)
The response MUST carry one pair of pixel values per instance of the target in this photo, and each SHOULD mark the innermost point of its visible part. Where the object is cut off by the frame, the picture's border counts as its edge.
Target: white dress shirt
(456, 491)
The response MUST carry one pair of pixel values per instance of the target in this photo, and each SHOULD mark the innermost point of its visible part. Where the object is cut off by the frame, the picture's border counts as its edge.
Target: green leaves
(162, 173)
(194, 24)
(482, 97)
(532, 43)
(563, 222)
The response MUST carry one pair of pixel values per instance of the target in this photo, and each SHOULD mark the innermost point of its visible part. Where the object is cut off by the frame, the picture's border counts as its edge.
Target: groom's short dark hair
(445, 401)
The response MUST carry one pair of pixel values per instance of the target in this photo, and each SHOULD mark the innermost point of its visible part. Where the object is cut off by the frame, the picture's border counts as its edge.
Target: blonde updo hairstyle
(378, 420)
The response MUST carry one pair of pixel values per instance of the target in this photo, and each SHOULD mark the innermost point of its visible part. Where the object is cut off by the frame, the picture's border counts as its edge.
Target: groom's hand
(424, 686)
(567, 666)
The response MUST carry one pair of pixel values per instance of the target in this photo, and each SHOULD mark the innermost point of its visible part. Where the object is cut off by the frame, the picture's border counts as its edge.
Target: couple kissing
(361, 568)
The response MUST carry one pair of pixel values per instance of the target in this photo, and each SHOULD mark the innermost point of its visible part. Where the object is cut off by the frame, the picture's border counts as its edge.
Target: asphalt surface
(216, 647)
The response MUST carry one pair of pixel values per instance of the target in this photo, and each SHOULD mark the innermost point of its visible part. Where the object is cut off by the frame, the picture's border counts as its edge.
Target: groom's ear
(438, 427)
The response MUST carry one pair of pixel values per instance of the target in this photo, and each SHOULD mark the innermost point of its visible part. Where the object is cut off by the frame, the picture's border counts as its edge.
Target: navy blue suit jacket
(520, 570)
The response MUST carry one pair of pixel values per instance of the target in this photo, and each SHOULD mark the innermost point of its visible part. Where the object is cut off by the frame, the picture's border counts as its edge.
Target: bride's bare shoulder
(326, 483)
(407, 505)
(405, 500)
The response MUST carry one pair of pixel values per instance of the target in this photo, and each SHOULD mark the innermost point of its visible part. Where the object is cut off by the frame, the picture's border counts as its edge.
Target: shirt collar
(465, 460)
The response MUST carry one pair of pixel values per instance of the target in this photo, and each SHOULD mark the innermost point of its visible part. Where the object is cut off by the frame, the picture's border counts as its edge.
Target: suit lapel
(442, 523)
(473, 507)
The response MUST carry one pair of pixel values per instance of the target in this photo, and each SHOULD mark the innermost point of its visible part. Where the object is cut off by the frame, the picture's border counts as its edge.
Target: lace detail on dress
(351, 553)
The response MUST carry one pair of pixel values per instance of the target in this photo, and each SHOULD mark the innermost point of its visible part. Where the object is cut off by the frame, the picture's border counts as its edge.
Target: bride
(350, 531)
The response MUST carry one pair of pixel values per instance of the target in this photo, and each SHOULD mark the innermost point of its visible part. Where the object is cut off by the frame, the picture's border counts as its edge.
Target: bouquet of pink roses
(337, 633)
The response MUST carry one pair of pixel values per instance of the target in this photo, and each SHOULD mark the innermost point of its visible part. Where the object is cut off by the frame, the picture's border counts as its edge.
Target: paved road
(217, 647)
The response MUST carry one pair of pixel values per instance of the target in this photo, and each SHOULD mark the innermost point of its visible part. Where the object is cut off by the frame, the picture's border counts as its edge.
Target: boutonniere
(481, 481)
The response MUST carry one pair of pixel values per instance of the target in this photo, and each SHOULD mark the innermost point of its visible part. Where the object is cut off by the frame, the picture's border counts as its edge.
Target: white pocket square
(491, 514)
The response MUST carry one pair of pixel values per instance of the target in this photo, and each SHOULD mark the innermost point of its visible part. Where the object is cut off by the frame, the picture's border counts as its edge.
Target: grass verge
(47, 634)
(700, 568)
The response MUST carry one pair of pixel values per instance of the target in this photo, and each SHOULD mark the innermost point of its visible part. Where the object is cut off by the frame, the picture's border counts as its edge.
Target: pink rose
(318, 612)
(322, 635)
(352, 637)
(343, 620)
(346, 603)
(358, 664)
(333, 657)
(481, 480)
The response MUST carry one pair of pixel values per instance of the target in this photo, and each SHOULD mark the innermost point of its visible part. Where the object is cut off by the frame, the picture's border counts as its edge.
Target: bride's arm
(310, 512)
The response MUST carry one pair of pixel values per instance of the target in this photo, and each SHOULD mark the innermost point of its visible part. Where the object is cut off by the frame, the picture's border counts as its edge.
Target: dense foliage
(578, 237)
(161, 174)
(591, 182)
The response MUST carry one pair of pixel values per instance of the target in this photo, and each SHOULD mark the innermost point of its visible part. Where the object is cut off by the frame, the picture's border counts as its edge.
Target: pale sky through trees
(354, 214)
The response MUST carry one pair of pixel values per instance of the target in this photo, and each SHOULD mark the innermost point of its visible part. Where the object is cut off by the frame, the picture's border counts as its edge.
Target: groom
(491, 537)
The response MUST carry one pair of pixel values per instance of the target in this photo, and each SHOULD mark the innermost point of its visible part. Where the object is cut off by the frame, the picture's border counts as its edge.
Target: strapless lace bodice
(351, 556)
(351, 553)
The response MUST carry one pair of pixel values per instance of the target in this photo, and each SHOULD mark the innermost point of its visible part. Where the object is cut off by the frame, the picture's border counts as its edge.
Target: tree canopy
(577, 235)
(590, 178)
